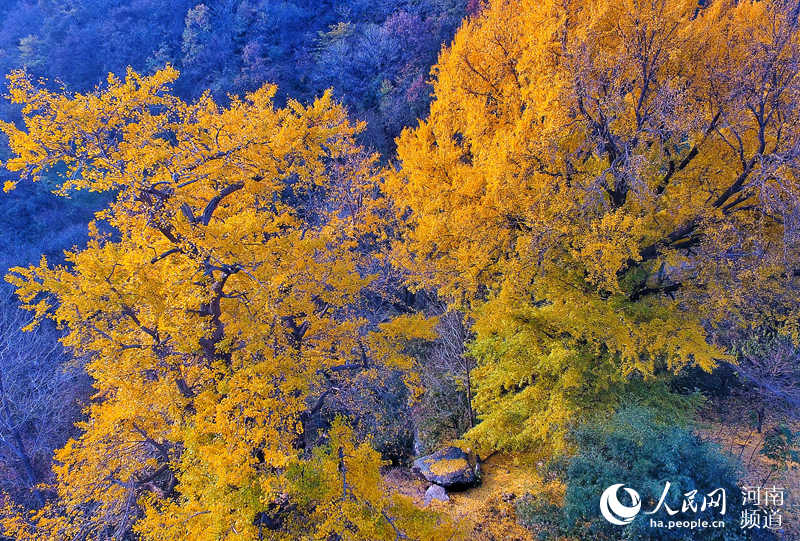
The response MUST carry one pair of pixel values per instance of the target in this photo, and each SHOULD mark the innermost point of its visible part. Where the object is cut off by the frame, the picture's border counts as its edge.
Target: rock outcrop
(451, 468)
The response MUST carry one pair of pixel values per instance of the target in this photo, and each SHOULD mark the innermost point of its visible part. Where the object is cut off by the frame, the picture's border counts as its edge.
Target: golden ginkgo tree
(598, 184)
(218, 303)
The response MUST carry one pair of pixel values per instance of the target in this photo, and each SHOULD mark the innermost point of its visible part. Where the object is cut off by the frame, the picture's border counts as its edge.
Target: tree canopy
(603, 194)
(217, 299)
(600, 183)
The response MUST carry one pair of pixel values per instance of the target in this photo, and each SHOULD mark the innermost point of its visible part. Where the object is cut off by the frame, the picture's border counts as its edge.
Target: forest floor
(487, 510)
(730, 426)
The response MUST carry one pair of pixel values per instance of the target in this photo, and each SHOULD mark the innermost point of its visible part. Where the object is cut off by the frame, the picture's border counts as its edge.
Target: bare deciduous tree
(445, 411)
(39, 388)
(768, 364)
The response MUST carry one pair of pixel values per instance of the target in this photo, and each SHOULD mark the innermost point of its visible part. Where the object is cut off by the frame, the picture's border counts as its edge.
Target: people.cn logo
(614, 511)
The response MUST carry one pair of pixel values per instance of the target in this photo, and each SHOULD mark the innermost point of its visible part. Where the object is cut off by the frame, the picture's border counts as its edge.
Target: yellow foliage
(445, 466)
(216, 299)
(598, 183)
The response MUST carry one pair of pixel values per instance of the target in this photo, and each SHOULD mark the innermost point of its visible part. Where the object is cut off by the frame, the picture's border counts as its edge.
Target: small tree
(445, 411)
(768, 365)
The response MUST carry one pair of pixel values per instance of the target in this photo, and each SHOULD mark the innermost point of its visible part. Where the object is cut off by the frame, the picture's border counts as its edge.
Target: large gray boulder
(451, 468)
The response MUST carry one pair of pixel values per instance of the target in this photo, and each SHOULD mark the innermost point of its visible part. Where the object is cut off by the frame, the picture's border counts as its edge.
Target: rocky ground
(486, 510)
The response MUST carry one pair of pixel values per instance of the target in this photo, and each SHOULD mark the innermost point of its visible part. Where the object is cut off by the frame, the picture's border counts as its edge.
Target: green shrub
(540, 516)
(638, 449)
(782, 447)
